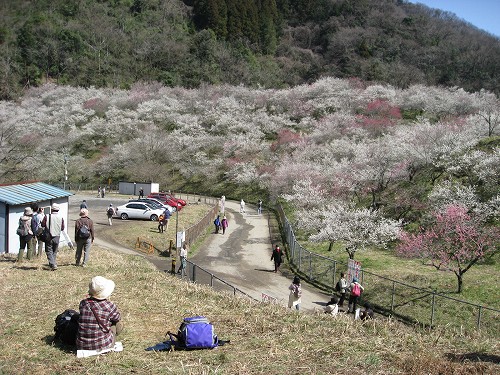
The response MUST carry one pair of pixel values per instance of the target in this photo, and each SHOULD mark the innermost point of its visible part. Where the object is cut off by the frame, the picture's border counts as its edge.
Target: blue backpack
(196, 333)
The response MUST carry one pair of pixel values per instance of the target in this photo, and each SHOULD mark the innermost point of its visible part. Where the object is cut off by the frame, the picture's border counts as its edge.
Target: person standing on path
(259, 207)
(183, 258)
(110, 212)
(294, 299)
(356, 289)
(141, 193)
(55, 223)
(217, 224)
(224, 224)
(84, 237)
(242, 206)
(83, 204)
(25, 233)
(277, 256)
(343, 289)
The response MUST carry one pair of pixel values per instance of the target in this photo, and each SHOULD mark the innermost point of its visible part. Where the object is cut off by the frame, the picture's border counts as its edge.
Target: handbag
(43, 233)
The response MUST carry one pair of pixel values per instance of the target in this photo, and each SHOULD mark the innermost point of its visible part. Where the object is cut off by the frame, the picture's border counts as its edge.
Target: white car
(153, 203)
(137, 210)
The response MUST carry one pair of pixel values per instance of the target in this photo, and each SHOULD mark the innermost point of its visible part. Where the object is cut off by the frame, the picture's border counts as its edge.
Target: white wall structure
(15, 197)
(132, 188)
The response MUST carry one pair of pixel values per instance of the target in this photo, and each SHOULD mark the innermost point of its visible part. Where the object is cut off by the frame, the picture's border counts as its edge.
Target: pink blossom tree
(454, 241)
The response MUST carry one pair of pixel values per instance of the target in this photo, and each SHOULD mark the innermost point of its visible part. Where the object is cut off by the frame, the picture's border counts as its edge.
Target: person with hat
(55, 223)
(100, 320)
(84, 237)
(355, 292)
(25, 233)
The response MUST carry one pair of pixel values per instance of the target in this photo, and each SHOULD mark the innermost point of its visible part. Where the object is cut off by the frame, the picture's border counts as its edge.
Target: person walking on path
(84, 237)
(342, 288)
(224, 224)
(36, 225)
(83, 204)
(277, 256)
(25, 233)
(242, 206)
(110, 212)
(55, 223)
(217, 224)
(259, 207)
(294, 299)
(183, 258)
(356, 289)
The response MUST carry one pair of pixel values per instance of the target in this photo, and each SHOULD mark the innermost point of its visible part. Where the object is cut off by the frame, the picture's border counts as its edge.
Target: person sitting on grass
(100, 320)
(367, 313)
(332, 306)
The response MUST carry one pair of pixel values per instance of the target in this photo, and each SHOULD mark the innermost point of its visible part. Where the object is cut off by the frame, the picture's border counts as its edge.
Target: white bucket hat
(101, 288)
(28, 211)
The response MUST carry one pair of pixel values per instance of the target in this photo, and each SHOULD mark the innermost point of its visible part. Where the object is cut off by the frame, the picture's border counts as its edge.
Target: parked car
(154, 203)
(138, 210)
(168, 199)
(166, 196)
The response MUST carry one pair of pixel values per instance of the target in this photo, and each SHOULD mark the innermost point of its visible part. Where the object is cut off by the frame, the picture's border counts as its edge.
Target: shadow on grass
(474, 357)
(49, 340)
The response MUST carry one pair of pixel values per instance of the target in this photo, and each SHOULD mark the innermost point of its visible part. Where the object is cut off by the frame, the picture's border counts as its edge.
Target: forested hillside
(272, 44)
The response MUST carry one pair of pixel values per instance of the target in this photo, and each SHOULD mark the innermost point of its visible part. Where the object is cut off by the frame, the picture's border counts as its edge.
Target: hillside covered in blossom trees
(391, 150)
(233, 108)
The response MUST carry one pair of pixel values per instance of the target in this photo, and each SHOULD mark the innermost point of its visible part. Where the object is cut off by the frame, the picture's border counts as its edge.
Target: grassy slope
(264, 338)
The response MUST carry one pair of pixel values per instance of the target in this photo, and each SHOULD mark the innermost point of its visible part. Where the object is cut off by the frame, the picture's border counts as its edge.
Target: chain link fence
(391, 297)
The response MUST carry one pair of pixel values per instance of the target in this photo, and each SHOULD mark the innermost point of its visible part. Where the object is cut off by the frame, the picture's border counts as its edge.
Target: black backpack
(338, 287)
(66, 327)
(84, 232)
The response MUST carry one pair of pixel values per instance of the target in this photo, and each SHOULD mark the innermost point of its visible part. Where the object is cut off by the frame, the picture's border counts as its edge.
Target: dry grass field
(264, 338)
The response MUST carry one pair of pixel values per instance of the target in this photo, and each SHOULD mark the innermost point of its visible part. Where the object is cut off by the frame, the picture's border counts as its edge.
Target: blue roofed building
(15, 197)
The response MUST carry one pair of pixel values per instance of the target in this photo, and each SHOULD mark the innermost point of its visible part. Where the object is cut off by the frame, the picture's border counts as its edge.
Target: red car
(169, 199)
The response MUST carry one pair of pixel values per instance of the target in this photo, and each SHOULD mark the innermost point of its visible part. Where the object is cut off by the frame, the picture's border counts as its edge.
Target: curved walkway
(241, 257)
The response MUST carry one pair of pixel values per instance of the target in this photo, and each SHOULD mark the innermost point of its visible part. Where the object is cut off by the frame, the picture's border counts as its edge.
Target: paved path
(241, 257)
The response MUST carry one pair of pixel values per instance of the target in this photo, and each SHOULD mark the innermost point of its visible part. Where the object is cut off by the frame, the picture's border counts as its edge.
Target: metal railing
(390, 297)
(199, 275)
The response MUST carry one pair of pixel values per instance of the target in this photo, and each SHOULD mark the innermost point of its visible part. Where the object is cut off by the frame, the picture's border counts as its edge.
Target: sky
(484, 14)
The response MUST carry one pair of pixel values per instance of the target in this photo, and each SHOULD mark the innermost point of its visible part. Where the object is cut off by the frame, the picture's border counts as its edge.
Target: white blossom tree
(355, 228)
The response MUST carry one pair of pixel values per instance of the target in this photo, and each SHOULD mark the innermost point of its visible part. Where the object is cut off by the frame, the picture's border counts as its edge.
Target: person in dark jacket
(83, 243)
(277, 257)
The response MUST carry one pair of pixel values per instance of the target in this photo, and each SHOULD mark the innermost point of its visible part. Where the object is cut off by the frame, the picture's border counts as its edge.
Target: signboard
(353, 270)
(181, 237)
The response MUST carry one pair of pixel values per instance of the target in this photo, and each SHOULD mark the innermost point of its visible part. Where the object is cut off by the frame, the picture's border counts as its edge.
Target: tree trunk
(460, 282)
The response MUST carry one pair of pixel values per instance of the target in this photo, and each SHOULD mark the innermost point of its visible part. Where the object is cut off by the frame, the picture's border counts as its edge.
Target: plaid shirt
(90, 335)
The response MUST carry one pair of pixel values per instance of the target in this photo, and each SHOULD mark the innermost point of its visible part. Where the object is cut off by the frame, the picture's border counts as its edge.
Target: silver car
(137, 210)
